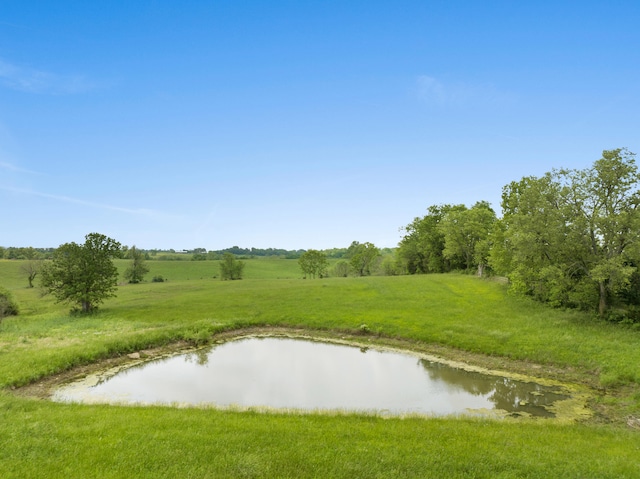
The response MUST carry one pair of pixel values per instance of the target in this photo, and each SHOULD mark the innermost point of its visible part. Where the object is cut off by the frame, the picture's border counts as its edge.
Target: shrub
(341, 269)
(230, 267)
(8, 307)
(157, 279)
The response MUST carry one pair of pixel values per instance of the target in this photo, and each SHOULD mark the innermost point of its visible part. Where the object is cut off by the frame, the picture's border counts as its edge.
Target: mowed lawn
(453, 314)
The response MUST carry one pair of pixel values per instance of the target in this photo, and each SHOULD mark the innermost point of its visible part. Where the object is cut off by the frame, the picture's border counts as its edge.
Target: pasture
(453, 316)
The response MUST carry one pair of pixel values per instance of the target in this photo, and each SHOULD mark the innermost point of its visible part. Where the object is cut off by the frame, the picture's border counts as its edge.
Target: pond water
(275, 372)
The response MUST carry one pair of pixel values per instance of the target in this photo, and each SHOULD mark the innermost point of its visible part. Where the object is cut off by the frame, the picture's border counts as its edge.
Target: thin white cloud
(435, 92)
(17, 169)
(38, 81)
(77, 201)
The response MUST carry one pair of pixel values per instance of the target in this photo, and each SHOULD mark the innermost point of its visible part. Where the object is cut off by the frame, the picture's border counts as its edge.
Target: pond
(287, 373)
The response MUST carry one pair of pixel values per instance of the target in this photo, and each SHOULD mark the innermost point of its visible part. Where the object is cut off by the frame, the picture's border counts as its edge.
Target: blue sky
(296, 125)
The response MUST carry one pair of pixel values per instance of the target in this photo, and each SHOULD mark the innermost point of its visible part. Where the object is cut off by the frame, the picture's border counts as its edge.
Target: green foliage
(83, 275)
(157, 279)
(421, 250)
(137, 269)
(362, 257)
(572, 236)
(313, 263)
(466, 235)
(390, 265)
(29, 253)
(341, 269)
(8, 306)
(230, 267)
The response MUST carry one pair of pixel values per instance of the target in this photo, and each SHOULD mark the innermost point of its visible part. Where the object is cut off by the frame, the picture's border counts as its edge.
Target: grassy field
(457, 316)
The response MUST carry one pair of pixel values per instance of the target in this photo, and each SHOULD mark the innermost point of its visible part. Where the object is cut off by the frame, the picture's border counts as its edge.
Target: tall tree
(534, 237)
(362, 257)
(573, 236)
(137, 268)
(466, 233)
(604, 201)
(83, 275)
(421, 250)
(313, 263)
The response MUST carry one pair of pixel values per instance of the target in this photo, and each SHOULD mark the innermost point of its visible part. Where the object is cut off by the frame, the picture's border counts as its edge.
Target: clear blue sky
(294, 124)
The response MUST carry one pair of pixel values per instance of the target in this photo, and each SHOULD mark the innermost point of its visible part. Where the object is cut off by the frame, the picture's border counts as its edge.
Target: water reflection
(506, 394)
(301, 374)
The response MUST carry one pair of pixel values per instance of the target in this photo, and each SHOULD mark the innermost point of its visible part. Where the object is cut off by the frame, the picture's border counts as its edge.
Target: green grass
(463, 314)
(255, 268)
(106, 442)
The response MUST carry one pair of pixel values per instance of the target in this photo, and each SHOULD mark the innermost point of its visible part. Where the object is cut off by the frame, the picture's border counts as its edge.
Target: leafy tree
(230, 267)
(83, 275)
(362, 257)
(137, 268)
(604, 202)
(421, 250)
(572, 237)
(8, 306)
(466, 234)
(533, 233)
(313, 263)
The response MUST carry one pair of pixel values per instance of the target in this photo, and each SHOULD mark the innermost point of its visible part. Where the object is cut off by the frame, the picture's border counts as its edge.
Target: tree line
(569, 238)
(360, 259)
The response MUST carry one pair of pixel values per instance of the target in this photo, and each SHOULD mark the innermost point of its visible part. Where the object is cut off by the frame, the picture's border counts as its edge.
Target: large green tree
(313, 263)
(604, 202)
(572, 237)
(466, 234)
(421, 250)
(532, 243)
(83, 274)
(362, 257)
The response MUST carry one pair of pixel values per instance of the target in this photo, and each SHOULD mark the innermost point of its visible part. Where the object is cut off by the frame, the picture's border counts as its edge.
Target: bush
(341, 269)
(8, 307)
(157, 279)
(230, 267)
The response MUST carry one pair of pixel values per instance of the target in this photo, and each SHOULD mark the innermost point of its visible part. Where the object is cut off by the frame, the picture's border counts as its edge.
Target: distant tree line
(25, 253)
(360, 259)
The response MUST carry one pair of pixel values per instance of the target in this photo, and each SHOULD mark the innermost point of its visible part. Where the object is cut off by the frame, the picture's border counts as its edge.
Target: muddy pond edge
(574, 409)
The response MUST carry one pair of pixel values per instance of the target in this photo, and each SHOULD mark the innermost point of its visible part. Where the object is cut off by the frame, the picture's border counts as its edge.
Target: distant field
(456, 315)
(255, 268)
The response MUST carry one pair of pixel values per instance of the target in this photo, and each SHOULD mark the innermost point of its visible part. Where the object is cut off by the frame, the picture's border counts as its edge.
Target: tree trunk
(480, 270)
(602, 307)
